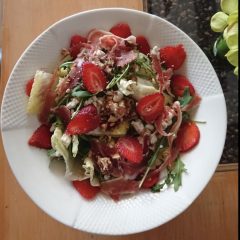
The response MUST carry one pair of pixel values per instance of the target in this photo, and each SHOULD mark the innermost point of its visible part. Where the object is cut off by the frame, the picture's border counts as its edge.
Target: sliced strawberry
(86, 189)
(41, 137)
(76, 45)
(76, 39)
(173, 56)
(121, 30)
(188, 136)
(85, 121)
(130, 148)
(28, 87)
(151, 106)
(179, 83)
(143, 45)
(151, 180)
(93, 78)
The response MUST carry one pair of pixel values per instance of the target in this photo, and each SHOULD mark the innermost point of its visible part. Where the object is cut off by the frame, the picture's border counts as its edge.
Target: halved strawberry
(28, 86)
(143, 45)
(188, 136)
(121, 30)
(85, 121)
(86, 189)
(41, 137)
(151, 106)
(130, 148)
(93, 78)
(179, 83)
(76, 45)
(173, 56)
(151, 180)
(76, 39)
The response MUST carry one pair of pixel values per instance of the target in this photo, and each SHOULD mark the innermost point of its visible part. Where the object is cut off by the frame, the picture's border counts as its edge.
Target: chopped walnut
(104, 164)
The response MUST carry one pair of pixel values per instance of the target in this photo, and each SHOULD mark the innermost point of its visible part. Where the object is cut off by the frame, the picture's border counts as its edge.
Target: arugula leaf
(145, 66)
(118, 77)
(159, 146)
(174, 177)
(81, 94)
(178, 170)
(186, 98)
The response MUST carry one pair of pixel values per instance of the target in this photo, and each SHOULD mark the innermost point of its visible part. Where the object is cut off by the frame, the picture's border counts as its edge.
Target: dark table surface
(193, 17)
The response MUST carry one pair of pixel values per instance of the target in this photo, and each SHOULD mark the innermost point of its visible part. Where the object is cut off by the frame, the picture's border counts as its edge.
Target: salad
(114, 116)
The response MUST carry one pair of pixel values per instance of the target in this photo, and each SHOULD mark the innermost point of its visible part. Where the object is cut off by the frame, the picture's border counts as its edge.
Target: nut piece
(104, 164)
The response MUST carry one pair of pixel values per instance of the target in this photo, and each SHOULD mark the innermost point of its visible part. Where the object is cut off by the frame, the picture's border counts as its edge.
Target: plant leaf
(81, 94)
(186, 98)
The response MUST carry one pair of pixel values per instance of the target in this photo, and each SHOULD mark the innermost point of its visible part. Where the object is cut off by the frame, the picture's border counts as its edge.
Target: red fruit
(151, 180)
(143, 45)
(188, 136)
(41, 138)
(86, 189)
(85, 121)
(173, 56)
(28, 87)
(121, 30)
(76, 39)
(76, 45)
(179, 83)
(151, 106)
(130, 148)
(93, 78)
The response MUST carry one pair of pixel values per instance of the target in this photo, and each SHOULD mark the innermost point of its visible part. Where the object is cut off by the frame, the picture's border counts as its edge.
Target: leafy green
(159, 146)
(186, 98)
(145, 66)
(82, 94)
(161, 143)
(220, 47)
(174, 177)
(118, 77)
(178, 170)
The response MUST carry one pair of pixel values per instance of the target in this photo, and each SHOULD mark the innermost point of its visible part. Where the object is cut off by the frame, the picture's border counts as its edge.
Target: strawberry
(130, 148)
(187, 136)
(86, 189)
(85, 121)
(28, 87)
(173, 56)
(76, 45)
(41, 137)
(143, 45)
(93, 78)
(76, 39)
(151, 180)
(151, 106)
(179, 83)
(121, 30)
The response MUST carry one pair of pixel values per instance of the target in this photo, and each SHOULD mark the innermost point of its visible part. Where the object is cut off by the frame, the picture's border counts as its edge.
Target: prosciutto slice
(119, 186)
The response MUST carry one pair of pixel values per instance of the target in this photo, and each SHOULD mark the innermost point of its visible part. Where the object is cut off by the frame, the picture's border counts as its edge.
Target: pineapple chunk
(36, 99)
(118, 131)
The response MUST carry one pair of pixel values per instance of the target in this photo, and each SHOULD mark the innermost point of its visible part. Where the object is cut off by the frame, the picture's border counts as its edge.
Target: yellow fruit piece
(229, 6)
(232, 57)
(219, 21)
(35, 102)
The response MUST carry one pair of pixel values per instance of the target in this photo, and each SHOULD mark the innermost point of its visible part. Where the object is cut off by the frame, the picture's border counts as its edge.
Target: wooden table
(212, 216)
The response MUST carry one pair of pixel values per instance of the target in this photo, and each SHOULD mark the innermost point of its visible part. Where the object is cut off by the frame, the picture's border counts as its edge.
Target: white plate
(55, 195)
